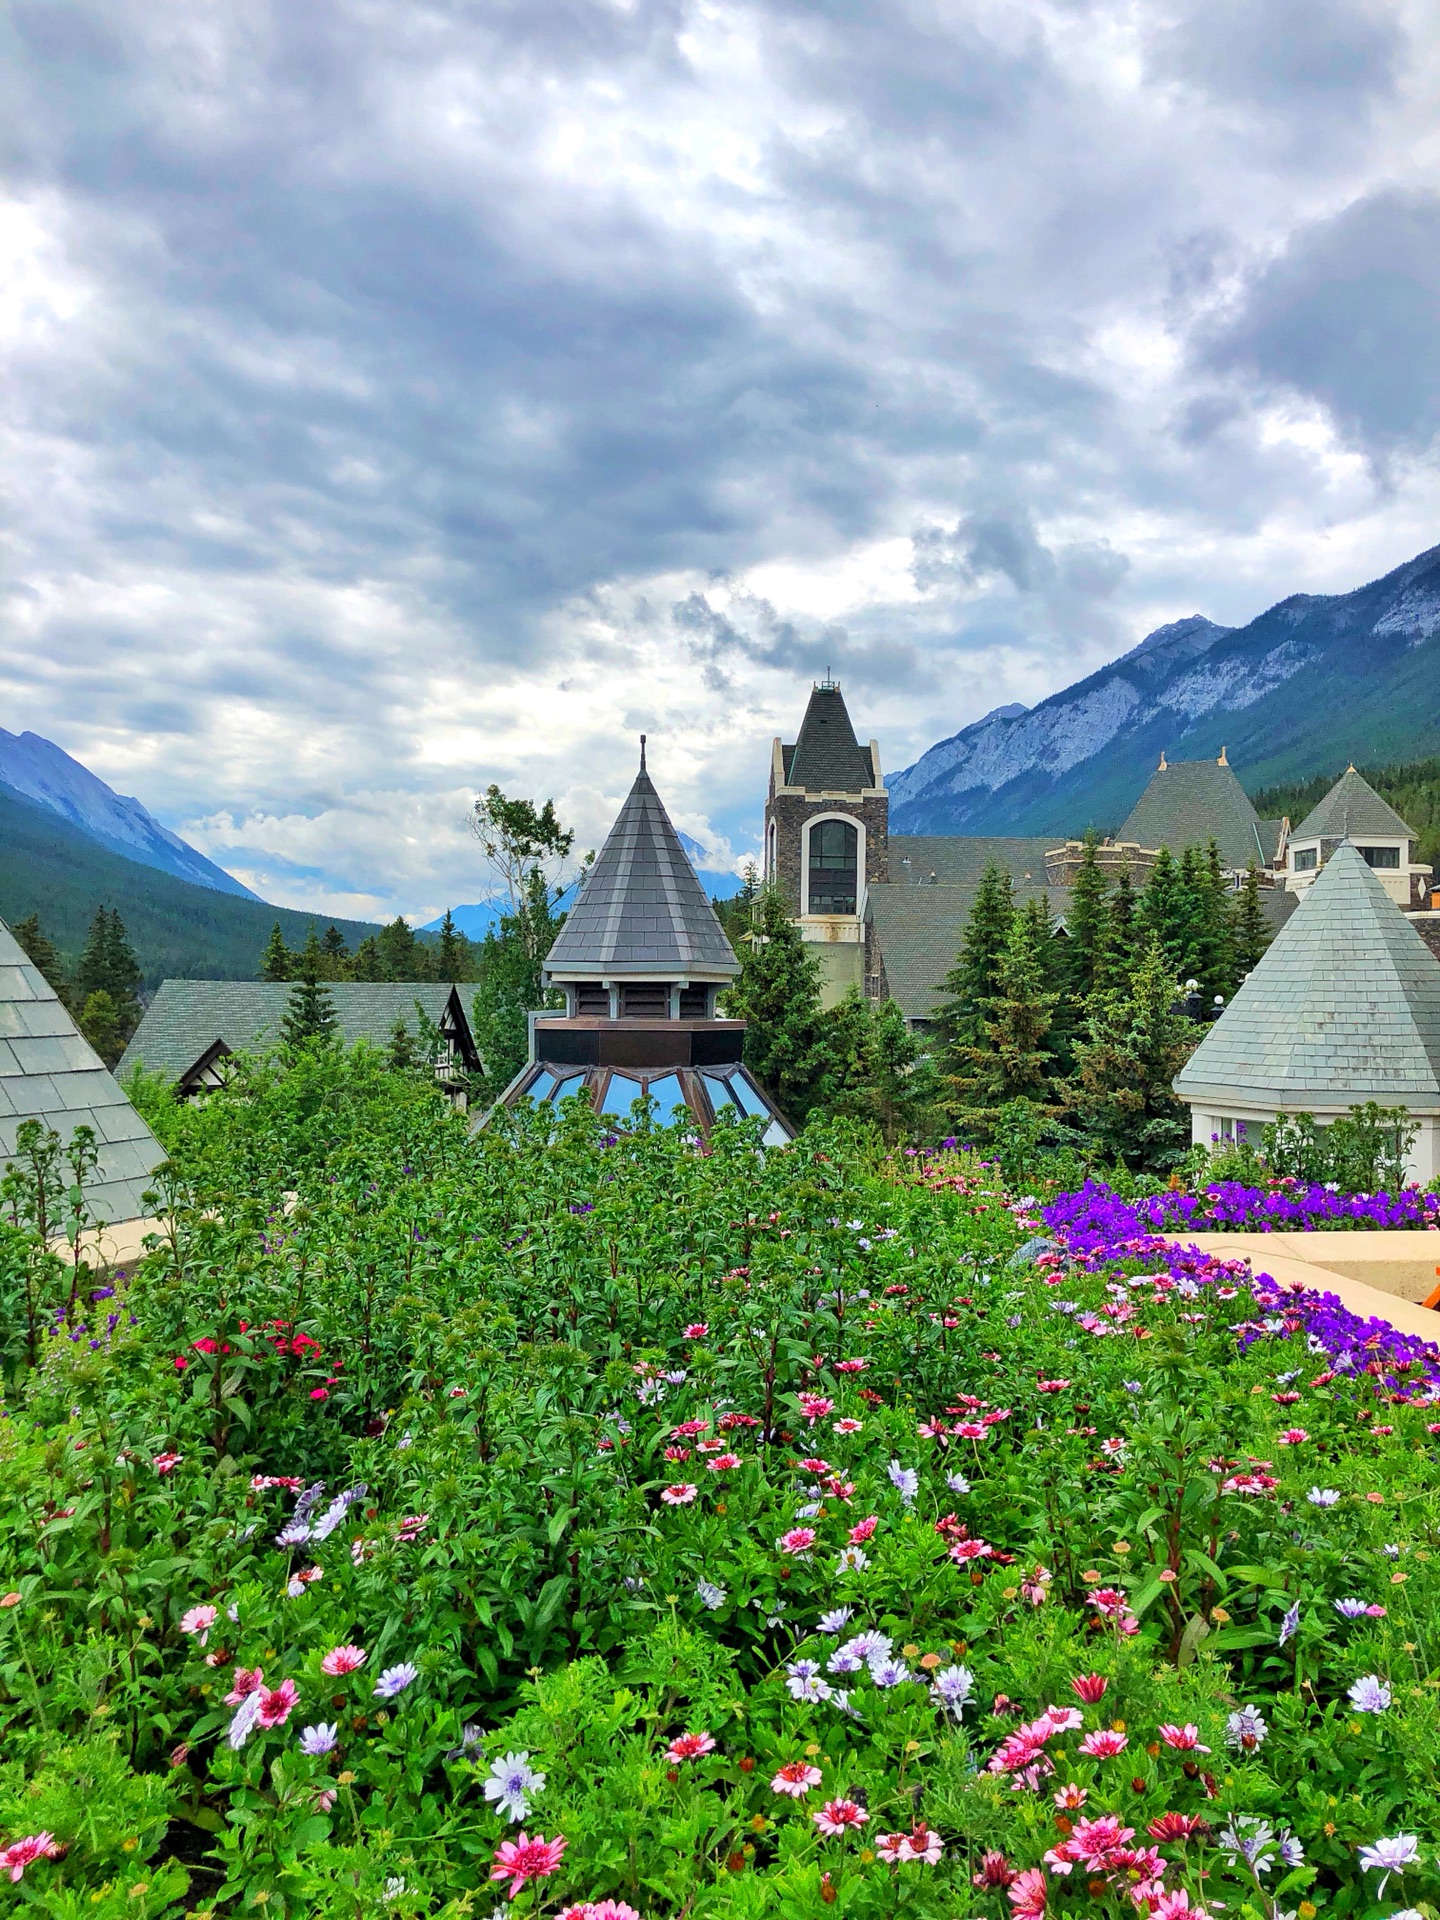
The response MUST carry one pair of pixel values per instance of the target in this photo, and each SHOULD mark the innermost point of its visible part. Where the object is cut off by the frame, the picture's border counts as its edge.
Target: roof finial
(1164, 766)
(642, 753)
(1351, 767)
(1222, 761)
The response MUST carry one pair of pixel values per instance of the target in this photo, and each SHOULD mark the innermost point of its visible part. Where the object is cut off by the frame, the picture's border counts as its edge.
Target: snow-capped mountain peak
(45, 774)
(1190, 688)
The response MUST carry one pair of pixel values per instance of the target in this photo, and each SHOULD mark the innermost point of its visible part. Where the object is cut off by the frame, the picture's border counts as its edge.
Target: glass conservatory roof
(683, 1096)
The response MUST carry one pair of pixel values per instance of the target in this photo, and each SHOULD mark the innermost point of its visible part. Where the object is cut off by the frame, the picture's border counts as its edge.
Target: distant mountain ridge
(1313, 681)
(179, 930)
(44, 774)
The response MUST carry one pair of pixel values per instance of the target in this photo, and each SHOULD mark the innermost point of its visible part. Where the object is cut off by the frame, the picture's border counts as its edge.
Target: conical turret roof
(642, 912)
(1351, 807)
(1343, 1007)
(827, 758)
(50, 1073)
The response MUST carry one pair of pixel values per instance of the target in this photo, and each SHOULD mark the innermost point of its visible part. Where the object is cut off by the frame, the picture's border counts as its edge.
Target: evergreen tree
(1162, 913)
(1214, 927)
(1119, 954)
(108, 965)
(42, 952)
(1136, 1043)
(312, 963)
(277, 961)
(452, 952)
(877, 1071)
(1249, 931)
(971, 982)
(401, 955)
(101, 1024)
(336, 953)
(1087, 924)
(777, 994)
(310, 1015)
(1012, 1059)
(368, 963)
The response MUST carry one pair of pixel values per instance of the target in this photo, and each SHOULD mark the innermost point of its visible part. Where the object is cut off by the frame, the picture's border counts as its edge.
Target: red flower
(690, 1746)
(995, 1871)
(1177, 1826)
(1089, 1687)
(524, 1859)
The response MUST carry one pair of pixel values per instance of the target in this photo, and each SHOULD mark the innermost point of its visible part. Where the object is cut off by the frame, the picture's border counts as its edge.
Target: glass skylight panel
(620, 1095)
(748, 1096)
(721, 1098)
(669, 1096)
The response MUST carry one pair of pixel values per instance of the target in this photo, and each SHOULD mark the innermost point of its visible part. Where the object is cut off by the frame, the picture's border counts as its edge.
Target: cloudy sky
(401, 395)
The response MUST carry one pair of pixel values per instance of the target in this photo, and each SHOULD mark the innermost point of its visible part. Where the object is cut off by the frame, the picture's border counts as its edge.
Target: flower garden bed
(611, 1529)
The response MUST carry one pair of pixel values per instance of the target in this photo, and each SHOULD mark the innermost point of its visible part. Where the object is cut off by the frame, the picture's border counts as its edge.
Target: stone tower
(827, 824)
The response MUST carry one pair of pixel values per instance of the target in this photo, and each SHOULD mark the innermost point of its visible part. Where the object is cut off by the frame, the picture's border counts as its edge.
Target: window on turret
(834, 871)
(1380, 856)
(1306, 859)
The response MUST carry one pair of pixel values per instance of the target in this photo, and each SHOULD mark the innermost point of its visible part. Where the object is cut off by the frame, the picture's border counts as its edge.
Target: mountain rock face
(44, 774)
(1313, 682)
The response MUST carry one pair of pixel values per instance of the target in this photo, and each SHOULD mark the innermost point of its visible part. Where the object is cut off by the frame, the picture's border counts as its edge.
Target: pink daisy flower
(278, 1703)
(838, 1816)
(796, 1778)
(522, 1860)
(847, 1426)
(723, 1463)
(343, 1660)
(863, 1529)
(1186, 1738)
(690, 1746)
(679, 1495)
(1104, 1745)
(798, 1542)
(248, 1680)
(166, 1462)
(697, 1332)
(24, 1853)
(199, 1620)
(1293, 1437)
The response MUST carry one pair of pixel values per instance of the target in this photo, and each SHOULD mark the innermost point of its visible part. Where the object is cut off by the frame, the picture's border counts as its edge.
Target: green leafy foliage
(521, 1447)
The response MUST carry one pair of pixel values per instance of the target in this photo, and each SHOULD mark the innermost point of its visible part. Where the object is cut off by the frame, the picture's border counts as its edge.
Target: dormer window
(1305, 859)
(1380, 856)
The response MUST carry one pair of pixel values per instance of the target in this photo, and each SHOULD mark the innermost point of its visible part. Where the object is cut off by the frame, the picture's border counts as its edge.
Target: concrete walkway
(1385, 1275)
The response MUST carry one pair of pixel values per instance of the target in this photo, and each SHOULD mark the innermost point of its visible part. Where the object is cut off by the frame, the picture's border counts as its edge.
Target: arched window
(834, 866)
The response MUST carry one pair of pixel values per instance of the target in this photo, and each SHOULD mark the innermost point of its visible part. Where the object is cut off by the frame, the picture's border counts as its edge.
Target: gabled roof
(642, 912)
(187, 1017)
(1191, 802)
(1350, 810)
(827, 758)
(49, 1072)
(1343, 1007)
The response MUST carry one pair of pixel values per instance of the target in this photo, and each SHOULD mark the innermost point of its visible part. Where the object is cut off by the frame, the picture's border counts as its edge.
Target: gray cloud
(404, 395)
(1350, 315)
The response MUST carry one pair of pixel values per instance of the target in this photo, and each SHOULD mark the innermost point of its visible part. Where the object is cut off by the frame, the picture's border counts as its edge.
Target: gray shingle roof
(187, 1017)
(919, 928)
(827, 758)
(959, 859)
(48, 1072)
(642, 913)
(1350, 810)
(1344, 1007)
(1192, 802)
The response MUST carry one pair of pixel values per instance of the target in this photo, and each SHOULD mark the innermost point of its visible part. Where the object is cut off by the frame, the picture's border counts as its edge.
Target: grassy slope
(178, 930)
